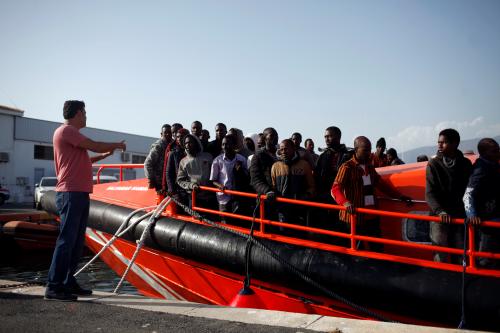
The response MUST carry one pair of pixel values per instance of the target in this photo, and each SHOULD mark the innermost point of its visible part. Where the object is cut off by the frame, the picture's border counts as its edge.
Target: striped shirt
(355, 183)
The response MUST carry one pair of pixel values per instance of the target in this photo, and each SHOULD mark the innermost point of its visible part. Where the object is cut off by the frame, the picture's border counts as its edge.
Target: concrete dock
(22, 308)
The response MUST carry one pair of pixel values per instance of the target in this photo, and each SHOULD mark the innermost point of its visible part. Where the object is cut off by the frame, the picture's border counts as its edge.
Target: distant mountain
(410, 156)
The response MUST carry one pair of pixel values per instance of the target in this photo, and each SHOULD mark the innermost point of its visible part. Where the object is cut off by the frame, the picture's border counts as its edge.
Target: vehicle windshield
(49, 182)
(105, 179)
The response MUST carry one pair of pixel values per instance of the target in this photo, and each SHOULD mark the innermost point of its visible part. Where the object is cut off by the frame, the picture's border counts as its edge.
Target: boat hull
(30, 236)
(203, 264)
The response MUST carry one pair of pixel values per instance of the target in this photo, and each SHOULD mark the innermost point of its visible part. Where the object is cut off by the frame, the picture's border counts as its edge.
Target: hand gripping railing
(471, 253)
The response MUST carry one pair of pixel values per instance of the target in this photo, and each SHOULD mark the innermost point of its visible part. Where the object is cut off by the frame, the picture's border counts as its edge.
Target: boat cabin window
(416, 231)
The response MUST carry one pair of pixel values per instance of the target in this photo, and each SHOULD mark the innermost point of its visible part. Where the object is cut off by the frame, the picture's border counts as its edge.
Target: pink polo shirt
(73, 166)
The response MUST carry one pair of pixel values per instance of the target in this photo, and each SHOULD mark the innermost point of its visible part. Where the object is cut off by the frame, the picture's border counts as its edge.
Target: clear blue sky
(398, 69)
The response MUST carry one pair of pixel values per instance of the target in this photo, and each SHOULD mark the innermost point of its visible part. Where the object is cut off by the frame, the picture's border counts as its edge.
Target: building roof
(11, 111)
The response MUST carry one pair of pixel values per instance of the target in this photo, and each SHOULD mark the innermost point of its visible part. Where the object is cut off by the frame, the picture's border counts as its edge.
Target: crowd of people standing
(180, 162)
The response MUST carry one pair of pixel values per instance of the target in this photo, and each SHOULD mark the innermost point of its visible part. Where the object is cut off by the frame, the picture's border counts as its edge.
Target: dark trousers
(447, 235)
(368, 227)
(232, 206)
(73, 208)
(205, 200)
(489, 241)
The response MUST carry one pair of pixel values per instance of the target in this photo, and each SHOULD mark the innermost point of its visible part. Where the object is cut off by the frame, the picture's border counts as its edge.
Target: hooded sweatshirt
(195, 169)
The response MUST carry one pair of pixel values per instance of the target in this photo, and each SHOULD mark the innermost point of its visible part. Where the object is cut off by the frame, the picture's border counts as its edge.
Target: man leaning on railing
(446, 178)
(354, 187)
(482, 197)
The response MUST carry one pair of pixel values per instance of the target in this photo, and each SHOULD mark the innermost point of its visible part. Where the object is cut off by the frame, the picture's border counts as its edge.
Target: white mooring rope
(119, 233)
(159, 209)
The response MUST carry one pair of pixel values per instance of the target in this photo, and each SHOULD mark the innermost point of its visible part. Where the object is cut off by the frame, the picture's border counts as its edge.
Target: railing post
(472, 246)
(99, 175)
(193, 199)
(354, 219)
(262, 213)
(121, 173)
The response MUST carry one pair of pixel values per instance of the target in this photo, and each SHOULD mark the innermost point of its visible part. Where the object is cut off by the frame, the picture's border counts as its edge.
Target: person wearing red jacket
(354, 187)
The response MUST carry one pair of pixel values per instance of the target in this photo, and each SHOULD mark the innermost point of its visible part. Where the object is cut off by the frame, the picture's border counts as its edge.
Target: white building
(26, 152)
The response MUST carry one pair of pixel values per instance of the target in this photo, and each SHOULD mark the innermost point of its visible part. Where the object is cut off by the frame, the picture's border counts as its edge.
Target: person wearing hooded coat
(194, 171)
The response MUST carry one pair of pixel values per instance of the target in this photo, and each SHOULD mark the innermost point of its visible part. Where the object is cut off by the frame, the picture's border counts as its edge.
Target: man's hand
(102, 156)
(474, 220)
(107, 154)
(219, 186)
(350, 208)
(445, 218)
(196, 187)
(121, 145)
(270, 196)
(407, 200)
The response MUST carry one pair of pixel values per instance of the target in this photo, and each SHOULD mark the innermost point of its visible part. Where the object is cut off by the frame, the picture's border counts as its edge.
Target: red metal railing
(120, 167)
(262, 232)
(472, 254)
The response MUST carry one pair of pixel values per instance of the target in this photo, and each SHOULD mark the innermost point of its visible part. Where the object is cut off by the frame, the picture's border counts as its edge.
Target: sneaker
(60, 296)
(79, 291)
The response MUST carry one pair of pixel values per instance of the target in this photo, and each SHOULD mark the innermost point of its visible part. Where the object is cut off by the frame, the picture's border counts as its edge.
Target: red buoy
(247, 298)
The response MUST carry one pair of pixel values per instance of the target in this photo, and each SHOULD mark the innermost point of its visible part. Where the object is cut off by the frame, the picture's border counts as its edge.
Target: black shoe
(60, 296)
(79, 291)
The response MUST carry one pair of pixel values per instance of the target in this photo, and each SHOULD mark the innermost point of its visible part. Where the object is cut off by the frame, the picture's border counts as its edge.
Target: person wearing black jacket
(176, 155)
(329, 163)
(446, 178)
(215, 147)
(325, 172)
(482, 197)
(262, 162)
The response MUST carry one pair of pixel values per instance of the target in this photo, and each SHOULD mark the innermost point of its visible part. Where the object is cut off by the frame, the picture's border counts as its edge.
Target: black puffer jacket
(325, 172)
(260, 171)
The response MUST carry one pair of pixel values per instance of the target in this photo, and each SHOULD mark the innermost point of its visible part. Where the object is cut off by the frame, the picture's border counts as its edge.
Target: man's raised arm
(102, 147)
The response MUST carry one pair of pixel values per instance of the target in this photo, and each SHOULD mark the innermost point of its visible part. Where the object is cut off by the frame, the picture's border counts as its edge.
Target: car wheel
(38, 205)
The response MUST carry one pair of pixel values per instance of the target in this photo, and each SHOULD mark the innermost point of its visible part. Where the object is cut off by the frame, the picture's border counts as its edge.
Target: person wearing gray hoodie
(194, 171)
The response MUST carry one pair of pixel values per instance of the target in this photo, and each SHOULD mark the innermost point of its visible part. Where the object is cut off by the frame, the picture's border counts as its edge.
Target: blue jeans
(73, 208)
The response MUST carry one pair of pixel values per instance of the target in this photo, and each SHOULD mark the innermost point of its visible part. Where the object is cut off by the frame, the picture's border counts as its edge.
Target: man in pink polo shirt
(74, 183)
